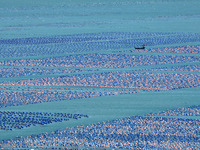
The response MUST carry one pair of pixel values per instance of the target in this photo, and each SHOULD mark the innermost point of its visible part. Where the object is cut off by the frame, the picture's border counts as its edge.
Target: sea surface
(49, 18)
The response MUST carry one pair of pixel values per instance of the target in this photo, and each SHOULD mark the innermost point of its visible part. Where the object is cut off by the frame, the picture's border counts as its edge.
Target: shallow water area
(79, 57)
(32, 19)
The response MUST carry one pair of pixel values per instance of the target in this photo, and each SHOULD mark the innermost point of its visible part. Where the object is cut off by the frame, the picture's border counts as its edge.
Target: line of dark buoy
(10, 120)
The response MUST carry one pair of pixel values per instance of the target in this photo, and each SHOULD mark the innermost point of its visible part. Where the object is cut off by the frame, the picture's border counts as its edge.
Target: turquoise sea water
(22, 19)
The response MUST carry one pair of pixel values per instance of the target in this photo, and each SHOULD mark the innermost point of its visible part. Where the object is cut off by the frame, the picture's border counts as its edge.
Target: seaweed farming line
(111, 79)
(33, 48)
(132, 52)
(97, 69)
(131, 132)
(103, 61)
(95, 36)
(99, 74)
(10, 120)
(127, 51)
(153, 69)
(104, 87)
(71, 88)
(171, 68)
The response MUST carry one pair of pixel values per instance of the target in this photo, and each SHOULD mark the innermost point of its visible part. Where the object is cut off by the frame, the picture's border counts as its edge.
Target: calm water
(22, 18)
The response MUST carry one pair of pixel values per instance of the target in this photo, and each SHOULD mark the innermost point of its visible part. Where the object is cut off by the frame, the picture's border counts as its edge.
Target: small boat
(142, 47)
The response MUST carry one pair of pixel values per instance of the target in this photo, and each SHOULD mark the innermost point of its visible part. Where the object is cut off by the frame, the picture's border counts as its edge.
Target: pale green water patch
(27, 19)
